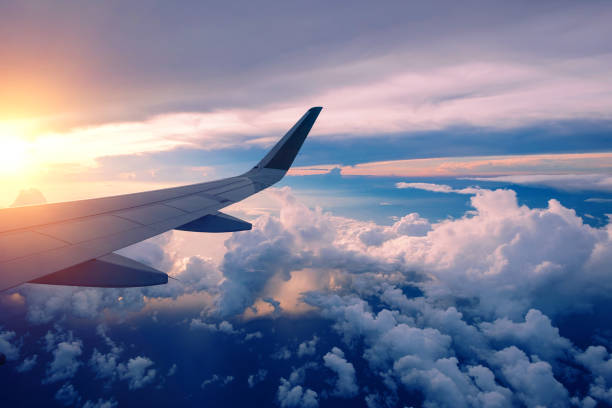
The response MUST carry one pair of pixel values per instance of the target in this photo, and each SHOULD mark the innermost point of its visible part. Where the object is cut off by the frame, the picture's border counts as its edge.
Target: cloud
(368, 304)
(30, 196)
(258, 377)
(598, 200)
(137, 372)
(308, 348)
(444, 384)
(102, 331)
(462, 310)
(199, 324)
(459, 95)
(433, 356)
(490, 61)
(276, 306)
(67, 395)
(65, 361)
(420, 351)
(223, 327)
(313, 170)
(376, 400)
(543, 169)
(346, 385)
(419, 358)
(402, 341)
(600, 391)
(296, 396)
(536, 335)
(198, 273)
(509, 254)
(47, 302)
(599, 362)
(55, 336)
(490, 393)
(438, 188)
(10, 350)
(27, 364)
(408, 225)
(281, 354)
(226, 327)
(247, 266)
(569, 182)
(104, 365)
(456, 94)
(463, 94)
(303, 240)
(217, 379)
(501, 249)
(496, 244)
(254, 335)
(533, 382)
(100, 403)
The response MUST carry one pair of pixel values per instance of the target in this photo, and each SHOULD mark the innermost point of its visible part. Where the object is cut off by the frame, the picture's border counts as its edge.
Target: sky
(442, 240)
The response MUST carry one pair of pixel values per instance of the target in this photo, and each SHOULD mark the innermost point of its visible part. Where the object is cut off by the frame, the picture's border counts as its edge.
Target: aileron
(87, 229)
(150, 214)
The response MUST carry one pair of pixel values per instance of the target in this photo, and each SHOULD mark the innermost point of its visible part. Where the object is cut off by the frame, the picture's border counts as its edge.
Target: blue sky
(443, 239)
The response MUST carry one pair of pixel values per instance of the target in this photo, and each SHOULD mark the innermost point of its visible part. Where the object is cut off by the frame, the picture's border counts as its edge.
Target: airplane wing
(72, 243)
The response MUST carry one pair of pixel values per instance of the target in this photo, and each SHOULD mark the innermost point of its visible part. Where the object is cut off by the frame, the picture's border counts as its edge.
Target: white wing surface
(72, 243)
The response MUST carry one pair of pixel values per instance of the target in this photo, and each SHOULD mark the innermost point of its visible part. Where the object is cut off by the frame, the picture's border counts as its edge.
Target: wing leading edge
(72, 243)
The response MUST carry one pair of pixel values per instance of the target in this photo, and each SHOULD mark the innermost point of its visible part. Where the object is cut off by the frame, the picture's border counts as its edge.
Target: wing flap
(217, 222)
(87, 229)
(191, 203)
(239, 193)
(150, 214)
(109, 271)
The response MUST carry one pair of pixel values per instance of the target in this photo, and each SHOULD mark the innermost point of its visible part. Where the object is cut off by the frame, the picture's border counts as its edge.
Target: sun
(13, 154)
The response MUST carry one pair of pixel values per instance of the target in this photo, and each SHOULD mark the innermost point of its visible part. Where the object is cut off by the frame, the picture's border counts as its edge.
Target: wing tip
(315, 110)
(283, 154)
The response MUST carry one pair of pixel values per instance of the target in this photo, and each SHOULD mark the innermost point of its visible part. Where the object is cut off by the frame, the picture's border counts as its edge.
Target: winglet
(282, 155)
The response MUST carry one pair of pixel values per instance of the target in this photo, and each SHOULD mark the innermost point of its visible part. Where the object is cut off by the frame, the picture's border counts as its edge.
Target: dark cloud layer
(114, 60)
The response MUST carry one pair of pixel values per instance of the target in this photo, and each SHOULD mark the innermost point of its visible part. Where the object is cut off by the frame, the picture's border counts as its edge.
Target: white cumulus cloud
(346, 384)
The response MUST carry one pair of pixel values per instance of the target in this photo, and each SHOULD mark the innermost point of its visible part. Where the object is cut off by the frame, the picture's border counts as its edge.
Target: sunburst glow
(13, 154)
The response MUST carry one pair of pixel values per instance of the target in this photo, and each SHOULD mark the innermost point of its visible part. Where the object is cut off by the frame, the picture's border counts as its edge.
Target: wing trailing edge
(218, 222)
(109, 271)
